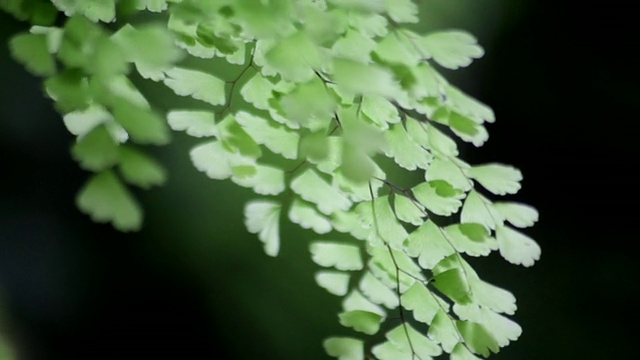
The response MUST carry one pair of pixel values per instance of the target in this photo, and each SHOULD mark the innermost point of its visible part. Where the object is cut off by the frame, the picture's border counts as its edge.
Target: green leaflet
(276, 138)
(429, 244)
(344, 348)
(340, 256)
(497, 178)
(335, 282)
(307, 217)
(424, 303)
(140, 169)
(197, 84)
(96, 150)
(452, 49)
(311, 187)
(519, 215)
(295, 58)
(32, 51)
(106, 199)
(404, 150)
(516, 247)
(377, 292)
(439, 197)
(262, 217)
(94, 10)
(362, 321)
(193, 122)
(408, 210)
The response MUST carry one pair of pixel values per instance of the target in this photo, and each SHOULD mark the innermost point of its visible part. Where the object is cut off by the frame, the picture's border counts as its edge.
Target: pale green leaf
(429, 137)
(356, 189)
(387, 229)
(439, 197)
(443, 331)
(364, 79)
(404, 150)
(478, 209)
(262, 217)
(497, 178)
(453, 283)
(466, 105)
(309, 105)
(429, 245)
(295, 58)
(32, 51)
(388, 351)
(275, 137)
(408, 210)
(467, 129)
(341, 256)
(516, 247)
(197, 84)
(396, 48)
(335, 282)
(257, 91)
(106, 199)
(406, 338)
(140, 169)
(478, 338)
(362, 321)
(81, 122)
(94, 10)
(402, 11)
(311, 187)
(118, 89)
(377, 292)
(212, 159)
(152, 5)
(263, 179)
(371, 25)
(236, 139)
(460, 352)
(380, 111)
(519, 215)
(424, 303)
(356, 301)
(142, 124)
(383, 265)
(344, 348)
(194, 122)
(348, 222)
(96, 150)
(451, 172)
(354, 45)
(364, 6)
(307, 217)
(452, 49)
(493, 297)
(471, 238)
(502, 329)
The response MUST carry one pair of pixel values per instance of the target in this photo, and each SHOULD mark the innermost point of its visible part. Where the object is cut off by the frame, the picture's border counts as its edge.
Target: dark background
(192, 284)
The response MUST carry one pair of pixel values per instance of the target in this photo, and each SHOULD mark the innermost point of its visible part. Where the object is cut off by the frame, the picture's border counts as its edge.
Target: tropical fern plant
(333, 106)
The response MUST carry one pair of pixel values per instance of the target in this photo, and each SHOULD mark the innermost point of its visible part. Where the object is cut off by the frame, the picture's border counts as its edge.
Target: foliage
(332, 99)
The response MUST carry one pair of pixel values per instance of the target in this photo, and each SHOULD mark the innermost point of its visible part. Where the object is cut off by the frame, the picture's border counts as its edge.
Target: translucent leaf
(471, 238)
(335, 282)
(308, 218)
(460, 352)
(439, 197)
(380, 111)
(408, 211)
(449, 171)
(386, 228)
(311, 187)
(466, 105)
(362, 321)
(32, 51)
(493, 297)
(212, 159)
(236, 139)
(197, 84)
(262, 217)
(502, 329)
(344, 348)
(443, 331)
(497, 178)
(96, 150)
(478, 209)
(349, 222)
(467, 129)
(424, 304)
(383, 266)
(263, 179)
(404, 150)
(274, 137)
(69, 89)
(361, 79)
(388, 351)
(356, 301)
(429, 245)
(341, 256)
(295, 58)
(372, 25)
(140, 169)
(354, 45)
(406, 338)
(257, 91)
(395, 48)
(151, 47)
(429, 137)
(152, 5)
(106, 199)
(143, 125)
(402, 11)
(452, 49)
(195, 123)
(476, 336)
(94, 10)
(81, 122)
(453, 283)
(365, 6)
(519, 215)
(516, 247)
(309, 105)
(377, 292)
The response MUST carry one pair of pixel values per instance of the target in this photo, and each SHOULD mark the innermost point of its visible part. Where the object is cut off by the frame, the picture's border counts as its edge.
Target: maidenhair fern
(332, 100)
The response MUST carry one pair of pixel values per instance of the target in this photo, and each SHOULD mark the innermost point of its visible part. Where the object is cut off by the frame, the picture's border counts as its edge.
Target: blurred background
(194, 285)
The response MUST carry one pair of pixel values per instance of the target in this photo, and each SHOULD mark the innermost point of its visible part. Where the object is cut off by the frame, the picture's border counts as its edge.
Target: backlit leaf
(497, 178)
(517, 247)
(262, 217)
(341, 256)
(197, 84)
